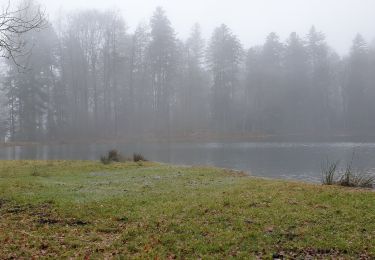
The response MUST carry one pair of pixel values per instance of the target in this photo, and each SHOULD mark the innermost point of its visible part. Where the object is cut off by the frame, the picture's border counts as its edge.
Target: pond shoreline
(300, 161)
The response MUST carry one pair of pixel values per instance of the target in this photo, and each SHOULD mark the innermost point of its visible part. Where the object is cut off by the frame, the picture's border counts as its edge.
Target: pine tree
(30, 106)
(320, 80)
(224, 56)
(194, 108)
(296, 100)
(356, 87)
(163, 62)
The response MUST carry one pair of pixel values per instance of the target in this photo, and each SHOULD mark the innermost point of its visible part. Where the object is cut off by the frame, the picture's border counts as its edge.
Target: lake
(298, 161)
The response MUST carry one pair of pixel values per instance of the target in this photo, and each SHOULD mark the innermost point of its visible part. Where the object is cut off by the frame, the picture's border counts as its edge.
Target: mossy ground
(148, 210)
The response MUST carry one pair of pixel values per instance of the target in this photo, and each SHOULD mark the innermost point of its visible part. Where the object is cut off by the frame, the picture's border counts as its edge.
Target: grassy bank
(148, 210)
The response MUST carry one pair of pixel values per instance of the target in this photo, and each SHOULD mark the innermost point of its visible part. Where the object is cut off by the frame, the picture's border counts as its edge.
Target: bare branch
(14, 24)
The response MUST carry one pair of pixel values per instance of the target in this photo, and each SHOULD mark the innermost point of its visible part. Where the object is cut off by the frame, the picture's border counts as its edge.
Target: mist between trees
(87, 76)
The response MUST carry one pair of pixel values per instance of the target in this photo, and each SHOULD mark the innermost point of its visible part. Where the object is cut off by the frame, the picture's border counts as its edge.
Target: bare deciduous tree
(14, 23)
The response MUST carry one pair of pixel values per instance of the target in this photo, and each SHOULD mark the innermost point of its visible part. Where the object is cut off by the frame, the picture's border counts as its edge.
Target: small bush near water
(112, 156)
(347, 178)
(353, 179)
(329, 171)
(138, 158)
(116, 156)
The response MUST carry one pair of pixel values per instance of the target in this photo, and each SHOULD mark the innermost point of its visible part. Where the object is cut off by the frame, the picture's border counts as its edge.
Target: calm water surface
(299, 161)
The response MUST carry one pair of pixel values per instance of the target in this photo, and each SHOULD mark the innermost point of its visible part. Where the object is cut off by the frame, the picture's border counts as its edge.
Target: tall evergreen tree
(371, 87)
(297, 117)
(252, 93)
(269, 119)
(224, 56)
(162, 56)
(194, 108)
(356, 87)
(29, 93)
(320, 80)
(140, 80)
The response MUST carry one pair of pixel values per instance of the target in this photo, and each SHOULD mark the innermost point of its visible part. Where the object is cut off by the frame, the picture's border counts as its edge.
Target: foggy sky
(251, 20)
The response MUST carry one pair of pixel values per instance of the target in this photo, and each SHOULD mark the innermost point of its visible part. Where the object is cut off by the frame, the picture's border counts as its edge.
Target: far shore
(203, 138)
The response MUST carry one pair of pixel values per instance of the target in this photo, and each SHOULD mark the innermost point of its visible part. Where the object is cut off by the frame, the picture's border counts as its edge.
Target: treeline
(89, 77)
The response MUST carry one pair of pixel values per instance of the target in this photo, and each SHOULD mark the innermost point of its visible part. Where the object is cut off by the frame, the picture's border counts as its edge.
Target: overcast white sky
(251, 20)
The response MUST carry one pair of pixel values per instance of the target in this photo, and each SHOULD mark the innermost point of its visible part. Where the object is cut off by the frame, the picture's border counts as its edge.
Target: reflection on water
(301, 161)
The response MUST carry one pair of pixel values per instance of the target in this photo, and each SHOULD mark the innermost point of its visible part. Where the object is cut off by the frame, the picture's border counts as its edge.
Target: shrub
(349, 178)
(365, 180)
(356, 179)
(104, 160)
(139, 158)
(112, 156)
(115, 156)
(329, 172)
(35, 172)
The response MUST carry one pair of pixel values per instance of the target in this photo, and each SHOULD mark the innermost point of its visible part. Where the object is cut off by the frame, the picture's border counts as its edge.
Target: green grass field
(153, 211)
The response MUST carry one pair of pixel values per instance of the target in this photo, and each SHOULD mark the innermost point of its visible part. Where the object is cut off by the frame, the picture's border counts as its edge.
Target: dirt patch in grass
(237, 173)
